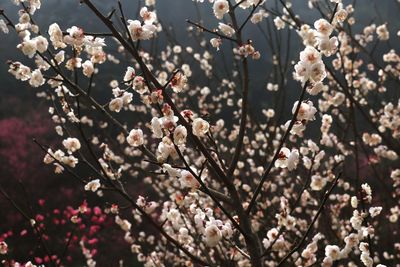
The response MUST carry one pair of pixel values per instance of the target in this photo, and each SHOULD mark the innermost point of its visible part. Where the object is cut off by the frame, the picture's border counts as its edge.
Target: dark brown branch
(211, 31)
(244, 109)
(95, 34)
(249, 16)
(283, 139)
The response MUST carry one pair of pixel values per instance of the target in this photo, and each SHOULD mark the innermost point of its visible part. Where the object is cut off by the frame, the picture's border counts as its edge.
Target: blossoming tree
(228, 182)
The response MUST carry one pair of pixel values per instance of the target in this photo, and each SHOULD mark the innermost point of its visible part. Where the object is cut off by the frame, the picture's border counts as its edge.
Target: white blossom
(41, 44)
(279, 23)
(200, 127)
(135, 138)
(116, 104)
(28, 47)
(216, 42)
(220, 8)
(56, 36)
(287, 159)
(226, 29)
(149, 17)
(212, 235)
(3, 27)
(93, 185)
(71, 144)
(139, 31)
(87, 68)
(188, 180)
(3, 248)
(180, 134)
(258, 16)
(36, 79)
(332, 251)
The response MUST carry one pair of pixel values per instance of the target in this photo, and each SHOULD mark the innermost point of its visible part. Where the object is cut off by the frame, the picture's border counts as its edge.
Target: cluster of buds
(59, 158)
(247, 50)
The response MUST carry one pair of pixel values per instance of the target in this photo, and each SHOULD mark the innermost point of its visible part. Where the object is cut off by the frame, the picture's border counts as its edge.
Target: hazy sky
(171, 12)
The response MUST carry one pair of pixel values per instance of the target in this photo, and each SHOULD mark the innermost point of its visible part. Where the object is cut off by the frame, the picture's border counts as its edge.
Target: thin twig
(283, 139)
(322, 205)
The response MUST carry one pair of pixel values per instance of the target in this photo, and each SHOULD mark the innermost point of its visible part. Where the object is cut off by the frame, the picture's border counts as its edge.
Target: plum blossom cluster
(145, 30)
(354, 240)
(310, 67)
